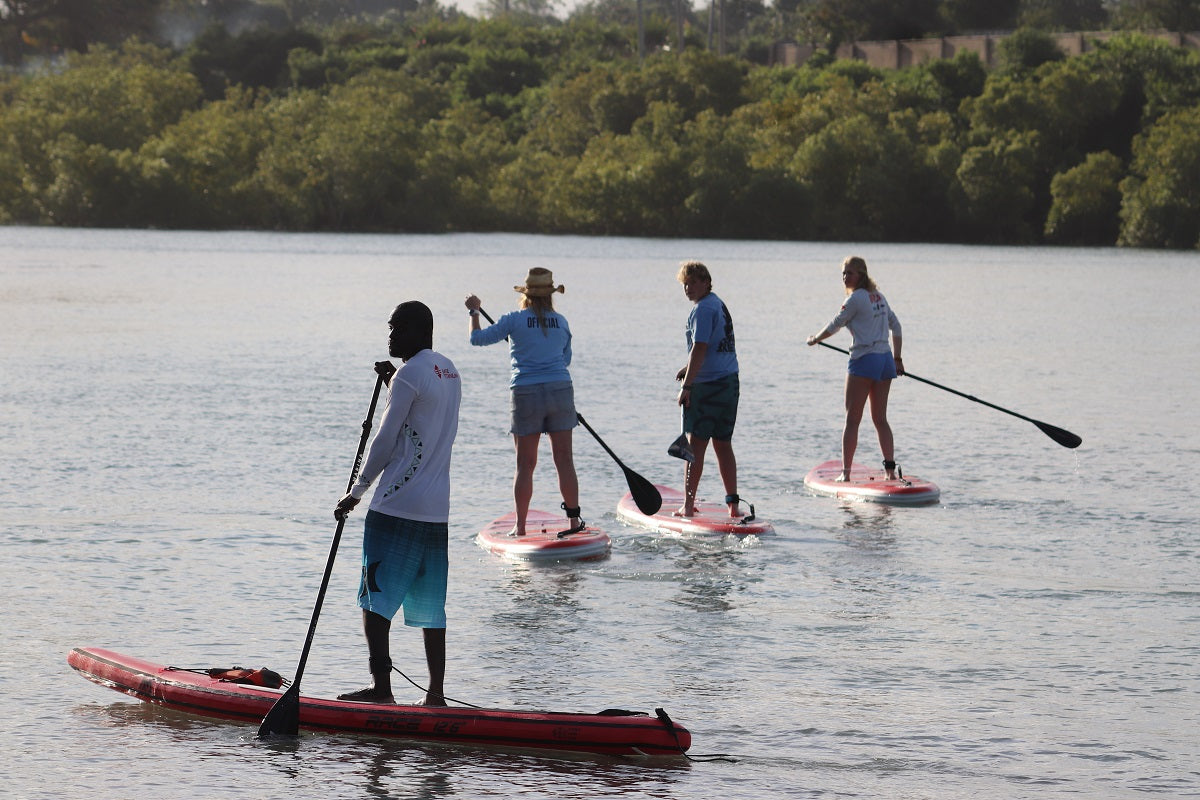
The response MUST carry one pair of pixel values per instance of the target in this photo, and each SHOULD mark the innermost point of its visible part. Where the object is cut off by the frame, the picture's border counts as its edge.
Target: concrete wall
(909, 52)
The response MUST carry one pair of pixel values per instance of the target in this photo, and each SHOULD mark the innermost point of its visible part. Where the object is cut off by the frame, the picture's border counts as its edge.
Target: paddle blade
(284, 717)
(681, 449)
(1065, 438)
(645, 495)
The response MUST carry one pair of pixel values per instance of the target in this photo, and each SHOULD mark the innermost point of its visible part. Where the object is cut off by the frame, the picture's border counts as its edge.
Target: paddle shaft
(489, 319)
(645, 495)
(1063, 437)
(286, 720)
(607, 449)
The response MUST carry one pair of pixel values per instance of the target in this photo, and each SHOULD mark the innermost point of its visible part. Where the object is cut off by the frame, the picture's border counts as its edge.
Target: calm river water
(179, 412)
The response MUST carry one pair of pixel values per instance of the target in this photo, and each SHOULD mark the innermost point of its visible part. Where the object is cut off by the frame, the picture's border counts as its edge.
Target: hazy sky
(561, 7)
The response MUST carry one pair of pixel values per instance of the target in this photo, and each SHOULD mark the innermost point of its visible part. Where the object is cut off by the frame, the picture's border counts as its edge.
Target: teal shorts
(404, 566)
(712, 408)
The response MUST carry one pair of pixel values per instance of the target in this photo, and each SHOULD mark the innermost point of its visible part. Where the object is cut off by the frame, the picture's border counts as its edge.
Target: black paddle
(1065, 438)
(682, 448)
(284, 717)
(489, 319)
(647, 498)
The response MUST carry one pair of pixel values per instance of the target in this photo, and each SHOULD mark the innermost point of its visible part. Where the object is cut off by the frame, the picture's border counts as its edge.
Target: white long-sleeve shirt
(869, 317)
(410, 454)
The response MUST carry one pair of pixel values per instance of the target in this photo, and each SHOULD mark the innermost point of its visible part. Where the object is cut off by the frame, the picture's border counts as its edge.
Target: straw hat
(539, 283)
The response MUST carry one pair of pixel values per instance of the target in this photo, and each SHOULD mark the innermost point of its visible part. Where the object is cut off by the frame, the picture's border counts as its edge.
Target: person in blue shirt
(543, 398)
(710, 390)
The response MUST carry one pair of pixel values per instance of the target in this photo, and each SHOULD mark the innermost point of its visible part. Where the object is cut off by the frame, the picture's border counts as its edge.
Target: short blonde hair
(693, 271)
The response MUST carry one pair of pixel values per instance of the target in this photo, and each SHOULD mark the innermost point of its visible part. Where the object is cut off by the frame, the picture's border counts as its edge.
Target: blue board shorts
(876, 366)
(543, 408)
(404, 565)
(711, 412)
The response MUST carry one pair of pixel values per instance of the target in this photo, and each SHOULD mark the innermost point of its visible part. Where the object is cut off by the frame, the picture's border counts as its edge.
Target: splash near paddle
(542, 541)
(871, 485)
(711, 517)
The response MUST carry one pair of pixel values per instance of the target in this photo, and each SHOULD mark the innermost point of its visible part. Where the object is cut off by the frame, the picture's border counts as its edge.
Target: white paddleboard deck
(541, 541)
(871, 485)
(711, 517)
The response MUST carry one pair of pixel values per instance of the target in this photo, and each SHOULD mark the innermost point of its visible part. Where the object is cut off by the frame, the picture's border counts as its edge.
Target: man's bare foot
(684, 512)
(516, 532)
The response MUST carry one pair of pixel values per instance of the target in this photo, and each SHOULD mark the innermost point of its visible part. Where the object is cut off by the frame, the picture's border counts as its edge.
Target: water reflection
(867, 526)
(539, 594)
(707, 579)
(395, 769)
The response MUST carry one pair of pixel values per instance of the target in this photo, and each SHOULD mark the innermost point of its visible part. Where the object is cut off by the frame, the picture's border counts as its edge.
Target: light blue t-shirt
(710, 322)
(541, 351)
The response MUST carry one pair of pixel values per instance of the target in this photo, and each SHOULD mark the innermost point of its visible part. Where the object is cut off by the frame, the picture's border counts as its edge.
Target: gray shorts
(543, 408)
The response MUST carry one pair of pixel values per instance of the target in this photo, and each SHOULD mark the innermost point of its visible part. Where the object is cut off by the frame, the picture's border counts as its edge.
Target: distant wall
(896, 54)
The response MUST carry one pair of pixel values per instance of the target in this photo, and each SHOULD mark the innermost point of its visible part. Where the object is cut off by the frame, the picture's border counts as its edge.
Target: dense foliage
(457, 124)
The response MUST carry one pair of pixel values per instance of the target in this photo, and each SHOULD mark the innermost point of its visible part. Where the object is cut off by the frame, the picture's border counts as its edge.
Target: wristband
(473, 312)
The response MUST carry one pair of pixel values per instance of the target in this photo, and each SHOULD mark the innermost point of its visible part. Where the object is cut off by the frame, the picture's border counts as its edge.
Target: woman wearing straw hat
(543, 399)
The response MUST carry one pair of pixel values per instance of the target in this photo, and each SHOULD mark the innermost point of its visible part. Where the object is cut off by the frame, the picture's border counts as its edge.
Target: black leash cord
(426, 691)
(666, 720)
(659, 713)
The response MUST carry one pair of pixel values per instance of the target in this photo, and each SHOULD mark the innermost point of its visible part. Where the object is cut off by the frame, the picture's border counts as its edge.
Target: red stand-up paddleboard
(614, 732)
(541, 541)
(710, 518)
(871, 485)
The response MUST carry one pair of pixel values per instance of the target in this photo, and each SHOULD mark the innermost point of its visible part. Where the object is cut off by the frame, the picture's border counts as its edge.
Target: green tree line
(35, 28)
(486, 125)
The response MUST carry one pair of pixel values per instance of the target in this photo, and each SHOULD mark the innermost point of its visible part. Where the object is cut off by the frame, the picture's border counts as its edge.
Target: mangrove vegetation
(441, 122)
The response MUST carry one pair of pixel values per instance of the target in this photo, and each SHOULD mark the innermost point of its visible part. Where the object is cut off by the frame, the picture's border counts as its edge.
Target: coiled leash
(733, 498)
(249, 677)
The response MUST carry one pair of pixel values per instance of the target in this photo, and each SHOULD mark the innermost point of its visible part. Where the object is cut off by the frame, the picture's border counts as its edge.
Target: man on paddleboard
(710, 388)
(405, 533)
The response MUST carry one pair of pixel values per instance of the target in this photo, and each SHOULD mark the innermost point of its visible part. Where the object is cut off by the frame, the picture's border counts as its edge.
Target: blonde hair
(541, 304)
(865, 281)
(692, 271)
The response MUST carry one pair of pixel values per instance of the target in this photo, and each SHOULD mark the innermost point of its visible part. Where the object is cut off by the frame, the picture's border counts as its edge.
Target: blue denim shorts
(404, 565)
(543, 408)
(876, 366)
